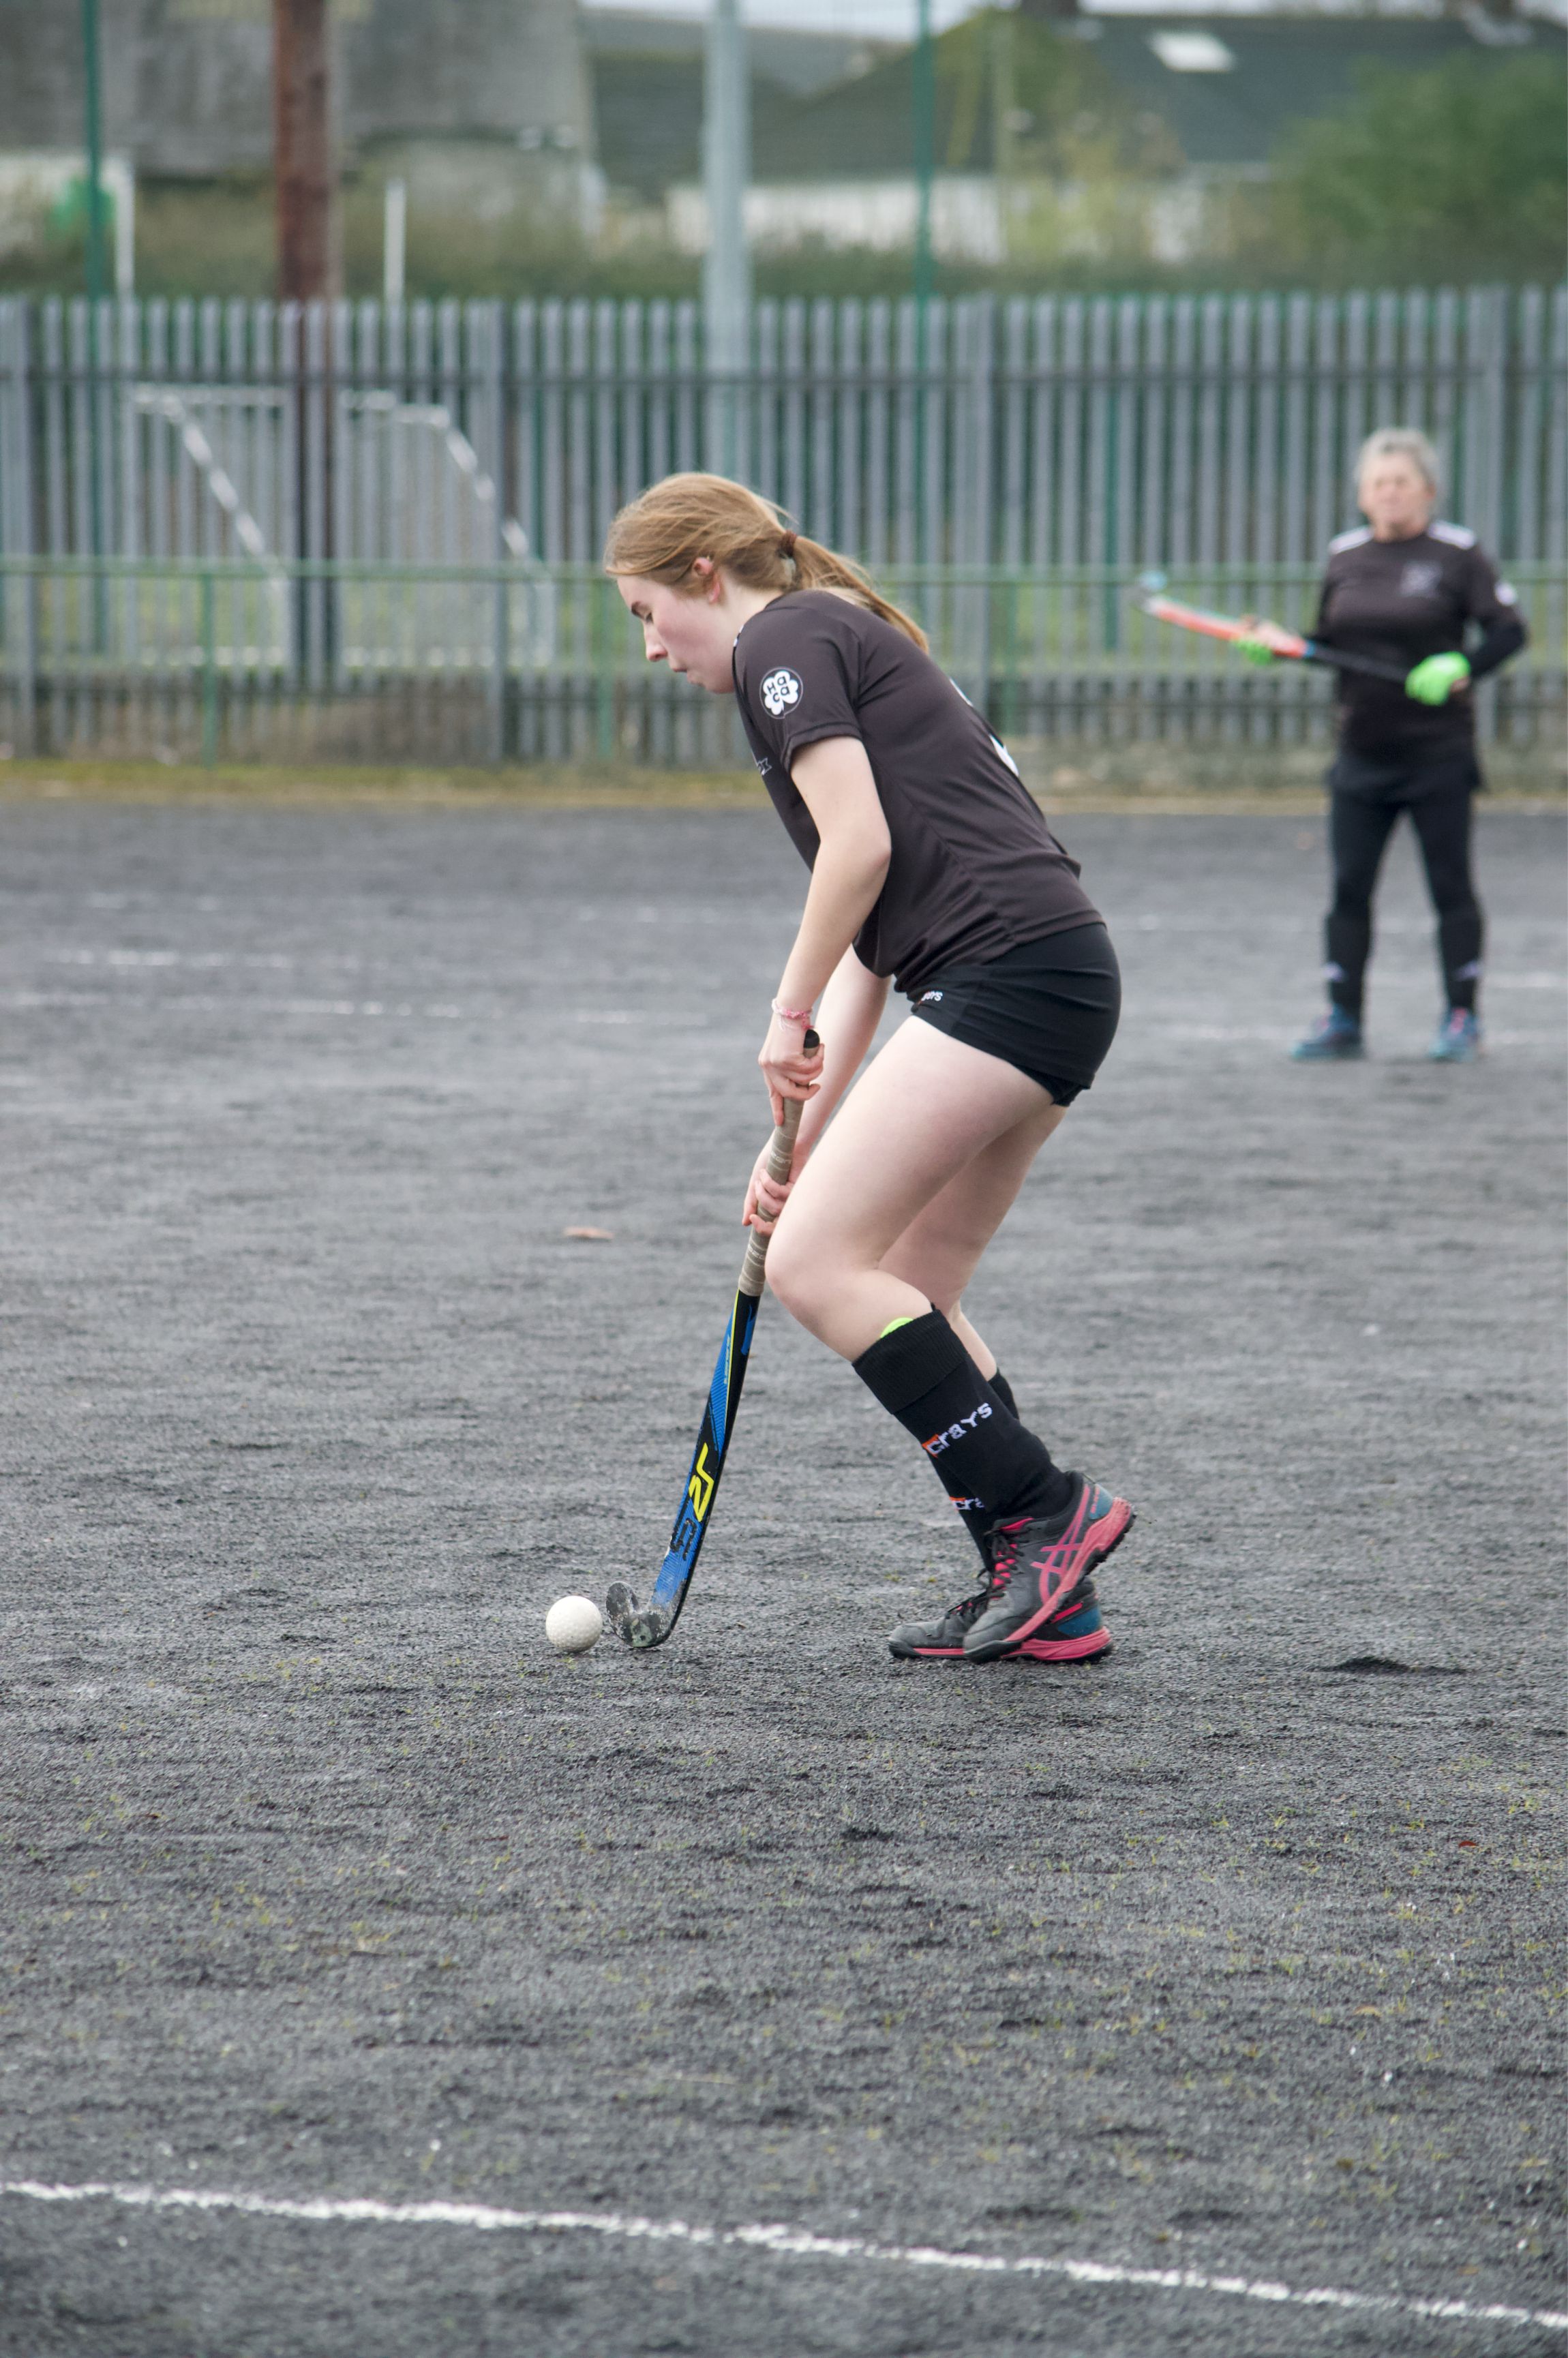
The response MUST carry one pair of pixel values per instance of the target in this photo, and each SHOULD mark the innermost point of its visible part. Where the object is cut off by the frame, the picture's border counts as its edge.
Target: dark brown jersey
(974, 870)
(1402, 601)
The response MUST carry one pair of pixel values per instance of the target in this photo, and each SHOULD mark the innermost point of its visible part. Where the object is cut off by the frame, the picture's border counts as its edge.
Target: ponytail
(817, 567)
(660, 535)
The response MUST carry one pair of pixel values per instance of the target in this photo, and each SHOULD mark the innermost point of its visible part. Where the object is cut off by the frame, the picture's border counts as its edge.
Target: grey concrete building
(459, 96)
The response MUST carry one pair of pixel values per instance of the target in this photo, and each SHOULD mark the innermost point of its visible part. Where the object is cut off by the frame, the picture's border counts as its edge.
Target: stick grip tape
(781, 1154)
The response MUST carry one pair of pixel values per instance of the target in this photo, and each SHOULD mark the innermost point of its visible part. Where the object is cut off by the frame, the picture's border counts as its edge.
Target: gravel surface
(322, 1877)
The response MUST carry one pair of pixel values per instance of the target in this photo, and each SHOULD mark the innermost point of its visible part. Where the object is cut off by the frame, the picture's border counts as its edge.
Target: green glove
(1434, 681)
(1254, 650)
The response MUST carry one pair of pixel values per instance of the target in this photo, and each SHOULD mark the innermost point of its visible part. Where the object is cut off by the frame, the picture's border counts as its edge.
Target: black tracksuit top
(1402, 600)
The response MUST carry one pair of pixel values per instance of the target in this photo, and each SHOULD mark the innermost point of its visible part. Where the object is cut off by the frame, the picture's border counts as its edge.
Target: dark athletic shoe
(1077, 1635)
(1458, 1039)
(1039, 1570)
(1334, 1039)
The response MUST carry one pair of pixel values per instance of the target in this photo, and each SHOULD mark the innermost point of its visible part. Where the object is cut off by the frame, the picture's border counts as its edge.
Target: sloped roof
(804, 62)
(1285, 67)
(1103, 68)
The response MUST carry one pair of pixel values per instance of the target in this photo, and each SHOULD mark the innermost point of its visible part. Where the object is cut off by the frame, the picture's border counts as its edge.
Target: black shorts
(1051, 1008)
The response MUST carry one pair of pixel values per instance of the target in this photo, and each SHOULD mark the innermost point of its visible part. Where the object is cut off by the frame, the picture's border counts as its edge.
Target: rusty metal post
(308, 273)
(308, 256)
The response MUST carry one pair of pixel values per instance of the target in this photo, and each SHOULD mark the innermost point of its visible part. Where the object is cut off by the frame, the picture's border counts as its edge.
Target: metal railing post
(604, 673)
(209, 669)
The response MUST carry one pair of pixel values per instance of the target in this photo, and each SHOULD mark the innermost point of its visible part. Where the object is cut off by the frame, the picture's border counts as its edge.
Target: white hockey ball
(573, 1624)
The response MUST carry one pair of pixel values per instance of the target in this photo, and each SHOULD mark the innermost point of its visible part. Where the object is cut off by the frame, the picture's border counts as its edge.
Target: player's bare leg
(928, 1112)
(934, 1145)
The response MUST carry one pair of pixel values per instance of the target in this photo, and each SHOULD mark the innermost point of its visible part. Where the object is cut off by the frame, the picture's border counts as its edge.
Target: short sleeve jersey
(1402, 600)
(975, 870)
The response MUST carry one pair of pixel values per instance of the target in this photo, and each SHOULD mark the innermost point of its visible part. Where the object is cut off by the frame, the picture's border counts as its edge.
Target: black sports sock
(1461, 947)
(990, 1464)
(976, 1521)
(1349, 943)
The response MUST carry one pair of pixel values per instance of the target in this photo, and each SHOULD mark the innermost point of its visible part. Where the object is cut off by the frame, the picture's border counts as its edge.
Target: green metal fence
(1057, 432)
(316, 661)
(370, 532)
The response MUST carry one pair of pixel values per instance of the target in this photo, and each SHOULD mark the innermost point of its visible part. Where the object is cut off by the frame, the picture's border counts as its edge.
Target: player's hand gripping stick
(1149, 594)
(642, 1626)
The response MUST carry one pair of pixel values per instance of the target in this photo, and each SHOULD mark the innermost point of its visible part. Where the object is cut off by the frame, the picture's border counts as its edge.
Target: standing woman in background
(1405, 590)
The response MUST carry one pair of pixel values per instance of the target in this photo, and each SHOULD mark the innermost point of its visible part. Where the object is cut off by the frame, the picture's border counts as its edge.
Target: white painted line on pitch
(783, 2242)
(206, 1003)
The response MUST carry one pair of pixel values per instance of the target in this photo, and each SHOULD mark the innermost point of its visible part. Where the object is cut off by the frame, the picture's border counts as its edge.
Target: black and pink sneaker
(1040, 1569)
(1077, 1635)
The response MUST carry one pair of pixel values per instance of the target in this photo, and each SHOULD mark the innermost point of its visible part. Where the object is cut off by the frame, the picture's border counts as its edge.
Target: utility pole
(307, 259)
(924, 113)
(92, 112)
(727, 264)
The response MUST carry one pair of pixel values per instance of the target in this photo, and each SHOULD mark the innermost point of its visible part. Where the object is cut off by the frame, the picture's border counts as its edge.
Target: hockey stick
(1148, 595)
(650, 1626)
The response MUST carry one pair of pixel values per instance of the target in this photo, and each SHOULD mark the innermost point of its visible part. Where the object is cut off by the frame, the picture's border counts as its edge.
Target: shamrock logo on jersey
(780, 690)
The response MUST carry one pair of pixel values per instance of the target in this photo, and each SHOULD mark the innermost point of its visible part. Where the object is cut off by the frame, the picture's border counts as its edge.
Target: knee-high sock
(975, 1520)
(990, 1465)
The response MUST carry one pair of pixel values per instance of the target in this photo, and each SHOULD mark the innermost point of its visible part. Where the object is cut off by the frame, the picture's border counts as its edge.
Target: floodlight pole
(727, 264)
(924, 111)
(92, 112)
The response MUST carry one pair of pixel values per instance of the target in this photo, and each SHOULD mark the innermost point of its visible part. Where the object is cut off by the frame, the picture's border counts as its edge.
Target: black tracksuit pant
(1368, 793)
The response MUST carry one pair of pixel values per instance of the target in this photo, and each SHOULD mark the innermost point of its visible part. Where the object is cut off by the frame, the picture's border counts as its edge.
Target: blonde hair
(659, 536)
(1401, 442)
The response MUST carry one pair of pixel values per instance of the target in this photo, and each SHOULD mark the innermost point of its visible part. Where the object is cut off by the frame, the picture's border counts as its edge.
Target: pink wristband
(792, 1014)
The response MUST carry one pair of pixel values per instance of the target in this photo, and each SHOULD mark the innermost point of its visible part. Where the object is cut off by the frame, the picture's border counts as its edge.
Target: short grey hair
(1401, 442)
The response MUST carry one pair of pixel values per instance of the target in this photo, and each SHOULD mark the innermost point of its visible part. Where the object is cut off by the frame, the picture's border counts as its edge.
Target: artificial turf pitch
(321, 1877)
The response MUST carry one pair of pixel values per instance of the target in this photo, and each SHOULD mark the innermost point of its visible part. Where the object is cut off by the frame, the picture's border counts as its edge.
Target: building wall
(967, 222)
(187, 83)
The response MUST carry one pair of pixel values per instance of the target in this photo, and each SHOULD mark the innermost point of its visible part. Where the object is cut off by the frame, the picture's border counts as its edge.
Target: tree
(1457, 173)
